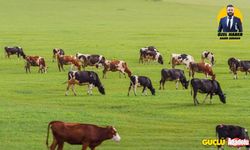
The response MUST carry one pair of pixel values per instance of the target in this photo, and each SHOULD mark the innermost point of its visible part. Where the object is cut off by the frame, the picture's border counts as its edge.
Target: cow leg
(144, 90)
(85, 146)
(54, 144)
(162, 83)
(104, 73)
(59, 66)
(73, 89)
(205, 99)
(195, 98)
(129, 88)
(90, 87)
(211, 96)
(134, 88)
(60, 146)
(176, 84)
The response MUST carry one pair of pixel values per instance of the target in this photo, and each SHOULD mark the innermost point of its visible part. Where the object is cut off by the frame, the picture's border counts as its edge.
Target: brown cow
(116, 65)
(87, 135)
(67, 60)
(201, 68)
(35, 61)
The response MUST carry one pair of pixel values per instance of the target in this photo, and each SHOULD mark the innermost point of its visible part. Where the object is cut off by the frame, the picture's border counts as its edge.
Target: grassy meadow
(117, 29)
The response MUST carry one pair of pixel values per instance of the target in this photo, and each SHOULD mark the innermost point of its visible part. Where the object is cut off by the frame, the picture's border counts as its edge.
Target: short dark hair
(230, 5)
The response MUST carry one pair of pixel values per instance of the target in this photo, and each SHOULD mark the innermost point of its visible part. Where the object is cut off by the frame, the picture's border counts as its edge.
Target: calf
(14, 50)
(238, 65)
(58, 51)
(210, 87)
(82, 78)
(209, 56)
(148, 55)
(232, 132)
(116, 65)
(142, 50)
(87, 135)
(91, 60)
(201, 68)
(173, 75)
(35, 61)
(136, 81)
(178, 59)
(67, 60)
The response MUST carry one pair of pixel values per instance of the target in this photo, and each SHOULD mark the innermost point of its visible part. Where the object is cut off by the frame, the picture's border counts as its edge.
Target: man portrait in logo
(230, 23)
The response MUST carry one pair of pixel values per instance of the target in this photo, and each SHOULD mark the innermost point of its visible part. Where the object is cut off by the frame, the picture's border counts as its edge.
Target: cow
(232, 132)
(87, 135)
(201, 68)
(178, 59)
(35, 61)
(173, 75)
(209, 56)
(210, 87)
(57, 51)
(67, 60)
(238, 65)
(91, 60)
(14, 50)
(89, 78)
(147, 56)
(148, 48)
(116, 65)
(145, 82)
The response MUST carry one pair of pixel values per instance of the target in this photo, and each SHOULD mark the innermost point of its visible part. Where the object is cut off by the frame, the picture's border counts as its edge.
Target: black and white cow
(209, 56)
(178, 59)
(91, 60)
(57, 51)
(173, 75)
(14, 50)
(137, 81)
(147, 56)
(89, 78)
(144, 49)
(238, 65)
(210, 87)
(232, 132)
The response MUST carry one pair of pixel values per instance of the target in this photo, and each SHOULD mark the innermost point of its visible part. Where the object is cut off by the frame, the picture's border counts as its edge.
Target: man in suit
(230, 23)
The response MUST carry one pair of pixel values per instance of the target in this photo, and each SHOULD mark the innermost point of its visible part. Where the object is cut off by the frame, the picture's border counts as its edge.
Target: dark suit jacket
(236, 27)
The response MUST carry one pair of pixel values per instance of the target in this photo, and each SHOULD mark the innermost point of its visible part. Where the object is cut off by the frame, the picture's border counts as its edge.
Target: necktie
(229, 24)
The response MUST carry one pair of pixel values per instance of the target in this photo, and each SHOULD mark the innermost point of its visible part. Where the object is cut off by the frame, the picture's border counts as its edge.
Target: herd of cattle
(91, 136)
(146, 55)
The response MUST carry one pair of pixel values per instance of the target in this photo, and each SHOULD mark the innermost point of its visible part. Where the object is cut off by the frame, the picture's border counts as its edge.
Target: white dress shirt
(231, 23)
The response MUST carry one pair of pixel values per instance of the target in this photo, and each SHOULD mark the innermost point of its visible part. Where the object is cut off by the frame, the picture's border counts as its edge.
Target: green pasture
(117, 29)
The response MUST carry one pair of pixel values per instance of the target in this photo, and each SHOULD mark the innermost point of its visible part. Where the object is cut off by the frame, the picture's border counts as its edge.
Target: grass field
(117, 29)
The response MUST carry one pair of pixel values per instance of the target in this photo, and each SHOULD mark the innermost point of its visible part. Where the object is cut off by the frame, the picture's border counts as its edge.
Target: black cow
(57, 51)
(173, 75)
(137, 81)
(91, 60)
(210, 87)
(14, 50)
(238, 65)
(231, 131)
(84, 77)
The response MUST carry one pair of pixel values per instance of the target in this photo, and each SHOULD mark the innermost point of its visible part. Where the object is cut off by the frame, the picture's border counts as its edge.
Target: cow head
(222, 98)
(101, 90)
(185, 83)
(113, 134)
(152, 91)
(160, 59)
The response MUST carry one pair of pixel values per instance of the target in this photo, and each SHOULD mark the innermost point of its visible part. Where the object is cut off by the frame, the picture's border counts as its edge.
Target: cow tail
(47, 140)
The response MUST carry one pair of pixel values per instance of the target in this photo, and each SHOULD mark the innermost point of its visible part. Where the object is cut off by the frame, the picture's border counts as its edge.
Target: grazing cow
(148, 56)
(91, 60)
(87, 135)
(208, 55)
(173, 75)
(210, 87)
(35, 61)
(178, 59)
(238, 65)
(145, 82)
(232, 132)
(14, 50)
(144, 49)
(116, 65)
(67, 60)
(201, 68)
(82, 78)
(57, 51)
